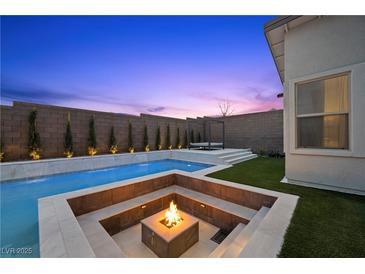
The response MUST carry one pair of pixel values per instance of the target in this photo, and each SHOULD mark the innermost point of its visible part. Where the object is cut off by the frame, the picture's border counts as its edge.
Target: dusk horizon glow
(177, 66)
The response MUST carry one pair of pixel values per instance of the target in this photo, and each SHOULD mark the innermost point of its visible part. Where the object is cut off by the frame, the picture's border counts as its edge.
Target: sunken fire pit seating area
(126, 219)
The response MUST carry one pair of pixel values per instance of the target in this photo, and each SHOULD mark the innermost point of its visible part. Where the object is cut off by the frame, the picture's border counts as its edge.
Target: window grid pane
(322, 113)
(321, 96)
(328, 131)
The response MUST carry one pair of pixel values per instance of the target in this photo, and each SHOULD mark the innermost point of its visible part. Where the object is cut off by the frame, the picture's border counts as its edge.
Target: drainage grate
(219, 236)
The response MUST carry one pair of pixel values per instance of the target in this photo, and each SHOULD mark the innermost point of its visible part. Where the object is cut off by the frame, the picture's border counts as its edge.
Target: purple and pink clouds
(179, 66)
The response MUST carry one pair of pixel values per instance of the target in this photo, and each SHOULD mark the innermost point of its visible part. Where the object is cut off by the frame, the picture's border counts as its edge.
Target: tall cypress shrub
(34, 140)
(158, 139)
(168, 139)
(186, 139)
(92, 138)
(2, 153)
(146, 146)
(68, 145)
(113, 147)
(192, 140)
(178, 144)
(130, 138)
(199, 138)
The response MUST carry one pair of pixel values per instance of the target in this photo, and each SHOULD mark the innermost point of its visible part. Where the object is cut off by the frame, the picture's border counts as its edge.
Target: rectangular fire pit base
(169, 242)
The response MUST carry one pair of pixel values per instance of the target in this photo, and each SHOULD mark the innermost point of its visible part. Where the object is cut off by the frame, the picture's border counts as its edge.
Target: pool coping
(60, 234)
(32, 169)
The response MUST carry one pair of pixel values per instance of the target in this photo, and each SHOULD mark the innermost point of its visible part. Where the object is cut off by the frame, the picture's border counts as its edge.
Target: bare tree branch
(226, 108)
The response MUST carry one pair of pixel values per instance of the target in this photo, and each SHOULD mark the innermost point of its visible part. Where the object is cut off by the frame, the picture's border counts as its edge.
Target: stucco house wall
(325, 46)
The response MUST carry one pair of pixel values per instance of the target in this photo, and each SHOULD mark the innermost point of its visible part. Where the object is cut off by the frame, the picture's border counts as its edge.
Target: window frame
(323, 114)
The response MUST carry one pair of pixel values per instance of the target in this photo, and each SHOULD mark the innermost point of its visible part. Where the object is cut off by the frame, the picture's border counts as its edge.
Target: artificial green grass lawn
(324, 224)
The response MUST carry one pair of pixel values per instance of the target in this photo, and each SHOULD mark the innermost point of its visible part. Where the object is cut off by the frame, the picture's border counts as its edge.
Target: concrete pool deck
(62, 235)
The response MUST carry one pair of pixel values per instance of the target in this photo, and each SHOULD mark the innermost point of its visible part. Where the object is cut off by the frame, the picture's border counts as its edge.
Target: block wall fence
(258, 130)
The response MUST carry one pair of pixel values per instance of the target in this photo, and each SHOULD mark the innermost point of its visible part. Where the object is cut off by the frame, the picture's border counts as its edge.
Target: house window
(322, 113)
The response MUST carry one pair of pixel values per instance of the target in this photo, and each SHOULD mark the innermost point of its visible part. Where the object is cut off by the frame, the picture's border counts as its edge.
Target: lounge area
(111, 218)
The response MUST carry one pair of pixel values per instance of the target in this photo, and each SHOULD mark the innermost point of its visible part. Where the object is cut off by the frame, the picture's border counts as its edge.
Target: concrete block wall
(153, 122)
(51, 124)
(197, 126)
(257, 130)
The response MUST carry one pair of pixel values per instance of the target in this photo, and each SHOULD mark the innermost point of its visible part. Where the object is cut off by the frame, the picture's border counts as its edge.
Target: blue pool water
(19, 210)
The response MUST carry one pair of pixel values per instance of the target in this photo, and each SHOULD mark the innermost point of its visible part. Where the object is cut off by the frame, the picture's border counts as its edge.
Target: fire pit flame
(172, 217)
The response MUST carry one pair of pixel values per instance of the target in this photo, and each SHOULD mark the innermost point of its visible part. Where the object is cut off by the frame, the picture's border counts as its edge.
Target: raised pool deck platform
(28, 169)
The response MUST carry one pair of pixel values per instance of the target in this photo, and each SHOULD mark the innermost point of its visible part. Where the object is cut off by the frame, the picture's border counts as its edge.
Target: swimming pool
(19, 212)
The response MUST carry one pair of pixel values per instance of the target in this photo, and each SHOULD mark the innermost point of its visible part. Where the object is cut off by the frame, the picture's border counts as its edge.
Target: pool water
(19, 206)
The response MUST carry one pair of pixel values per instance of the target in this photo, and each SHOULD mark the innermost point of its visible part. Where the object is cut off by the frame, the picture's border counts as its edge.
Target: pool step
(240, 159)
(235, 155)
(241, 240)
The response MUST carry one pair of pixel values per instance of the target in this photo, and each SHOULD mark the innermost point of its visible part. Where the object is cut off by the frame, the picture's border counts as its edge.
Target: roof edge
(281, 20)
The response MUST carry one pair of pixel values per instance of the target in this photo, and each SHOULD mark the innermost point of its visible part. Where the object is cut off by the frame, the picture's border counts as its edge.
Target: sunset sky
(180, 66)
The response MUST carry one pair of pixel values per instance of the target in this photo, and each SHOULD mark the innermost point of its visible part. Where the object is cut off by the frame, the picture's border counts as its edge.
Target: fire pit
(170, 233)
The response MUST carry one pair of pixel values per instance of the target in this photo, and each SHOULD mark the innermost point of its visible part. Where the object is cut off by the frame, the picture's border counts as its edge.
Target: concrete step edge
(241, 240)
(241, 159)
(235, 154)
(222, 247)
